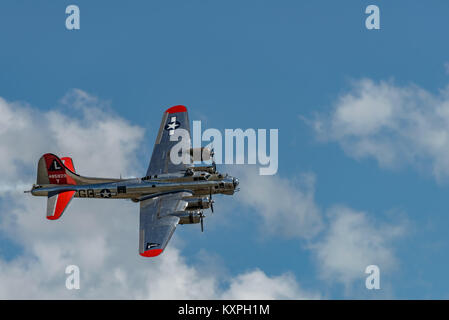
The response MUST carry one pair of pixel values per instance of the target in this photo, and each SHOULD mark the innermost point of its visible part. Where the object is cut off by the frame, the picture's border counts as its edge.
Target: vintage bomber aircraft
(169, 194)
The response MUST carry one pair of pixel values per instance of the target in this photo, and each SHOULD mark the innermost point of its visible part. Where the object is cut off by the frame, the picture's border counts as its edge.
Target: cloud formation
(395, 125)
(343, 242)
(287, 207)
(95, 134)
(353, 242)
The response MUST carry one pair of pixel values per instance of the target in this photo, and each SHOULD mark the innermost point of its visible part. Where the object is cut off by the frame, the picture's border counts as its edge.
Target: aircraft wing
(174, 118)
(157, 223)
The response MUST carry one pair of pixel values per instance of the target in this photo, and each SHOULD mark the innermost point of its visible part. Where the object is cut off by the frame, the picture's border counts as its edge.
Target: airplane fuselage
(138, 189)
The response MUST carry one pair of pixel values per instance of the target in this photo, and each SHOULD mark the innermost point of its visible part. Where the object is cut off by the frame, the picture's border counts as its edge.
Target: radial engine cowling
(189, 218)
(197, 204)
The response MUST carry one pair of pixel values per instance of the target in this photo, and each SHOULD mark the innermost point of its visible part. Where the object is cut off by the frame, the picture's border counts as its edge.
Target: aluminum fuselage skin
(136, 189)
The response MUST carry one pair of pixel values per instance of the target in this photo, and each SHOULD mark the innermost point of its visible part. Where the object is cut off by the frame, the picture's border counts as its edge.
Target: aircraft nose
(236, 182)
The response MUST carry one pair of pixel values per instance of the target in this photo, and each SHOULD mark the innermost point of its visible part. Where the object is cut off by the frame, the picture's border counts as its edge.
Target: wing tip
(176, 109)
(53, 217)
(151, 253)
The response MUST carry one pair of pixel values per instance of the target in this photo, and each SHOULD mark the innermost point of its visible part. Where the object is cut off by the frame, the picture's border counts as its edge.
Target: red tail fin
(57, 170)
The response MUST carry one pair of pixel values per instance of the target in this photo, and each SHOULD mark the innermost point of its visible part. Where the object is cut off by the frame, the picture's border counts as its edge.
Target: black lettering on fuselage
(89, 193)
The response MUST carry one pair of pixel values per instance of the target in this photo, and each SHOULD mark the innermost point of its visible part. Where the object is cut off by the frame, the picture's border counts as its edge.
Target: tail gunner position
(169, 194)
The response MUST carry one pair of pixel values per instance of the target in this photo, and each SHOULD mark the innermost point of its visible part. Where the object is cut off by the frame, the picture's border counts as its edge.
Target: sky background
(363, 119)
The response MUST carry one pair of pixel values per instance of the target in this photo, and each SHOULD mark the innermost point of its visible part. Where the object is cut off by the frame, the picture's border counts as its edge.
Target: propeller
(211, 201)
(201, 220)
(212, 154)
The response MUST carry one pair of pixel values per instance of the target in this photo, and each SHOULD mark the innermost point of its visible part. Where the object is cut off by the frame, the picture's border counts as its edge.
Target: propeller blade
(211, 201)
(212, 154)
(201, 220)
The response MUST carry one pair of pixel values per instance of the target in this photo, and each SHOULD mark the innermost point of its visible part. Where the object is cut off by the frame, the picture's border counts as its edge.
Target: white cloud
(99, 236)
(395, 125)
(256, 285)
(354, 241)
(343, 243)
(96, 134)
(287, 208)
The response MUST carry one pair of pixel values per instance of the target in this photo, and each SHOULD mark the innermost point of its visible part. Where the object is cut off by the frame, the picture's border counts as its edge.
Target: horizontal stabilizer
(57, 203)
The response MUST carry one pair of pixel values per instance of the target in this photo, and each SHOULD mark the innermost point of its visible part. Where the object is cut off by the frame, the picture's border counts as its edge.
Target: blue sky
(259, 64)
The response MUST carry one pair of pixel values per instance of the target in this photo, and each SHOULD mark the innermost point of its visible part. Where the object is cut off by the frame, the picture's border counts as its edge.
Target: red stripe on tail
(68, 163)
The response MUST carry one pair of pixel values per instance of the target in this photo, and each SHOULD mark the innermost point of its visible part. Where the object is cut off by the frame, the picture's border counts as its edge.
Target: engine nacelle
(210, 168)
(189, 218)
(197, 203)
